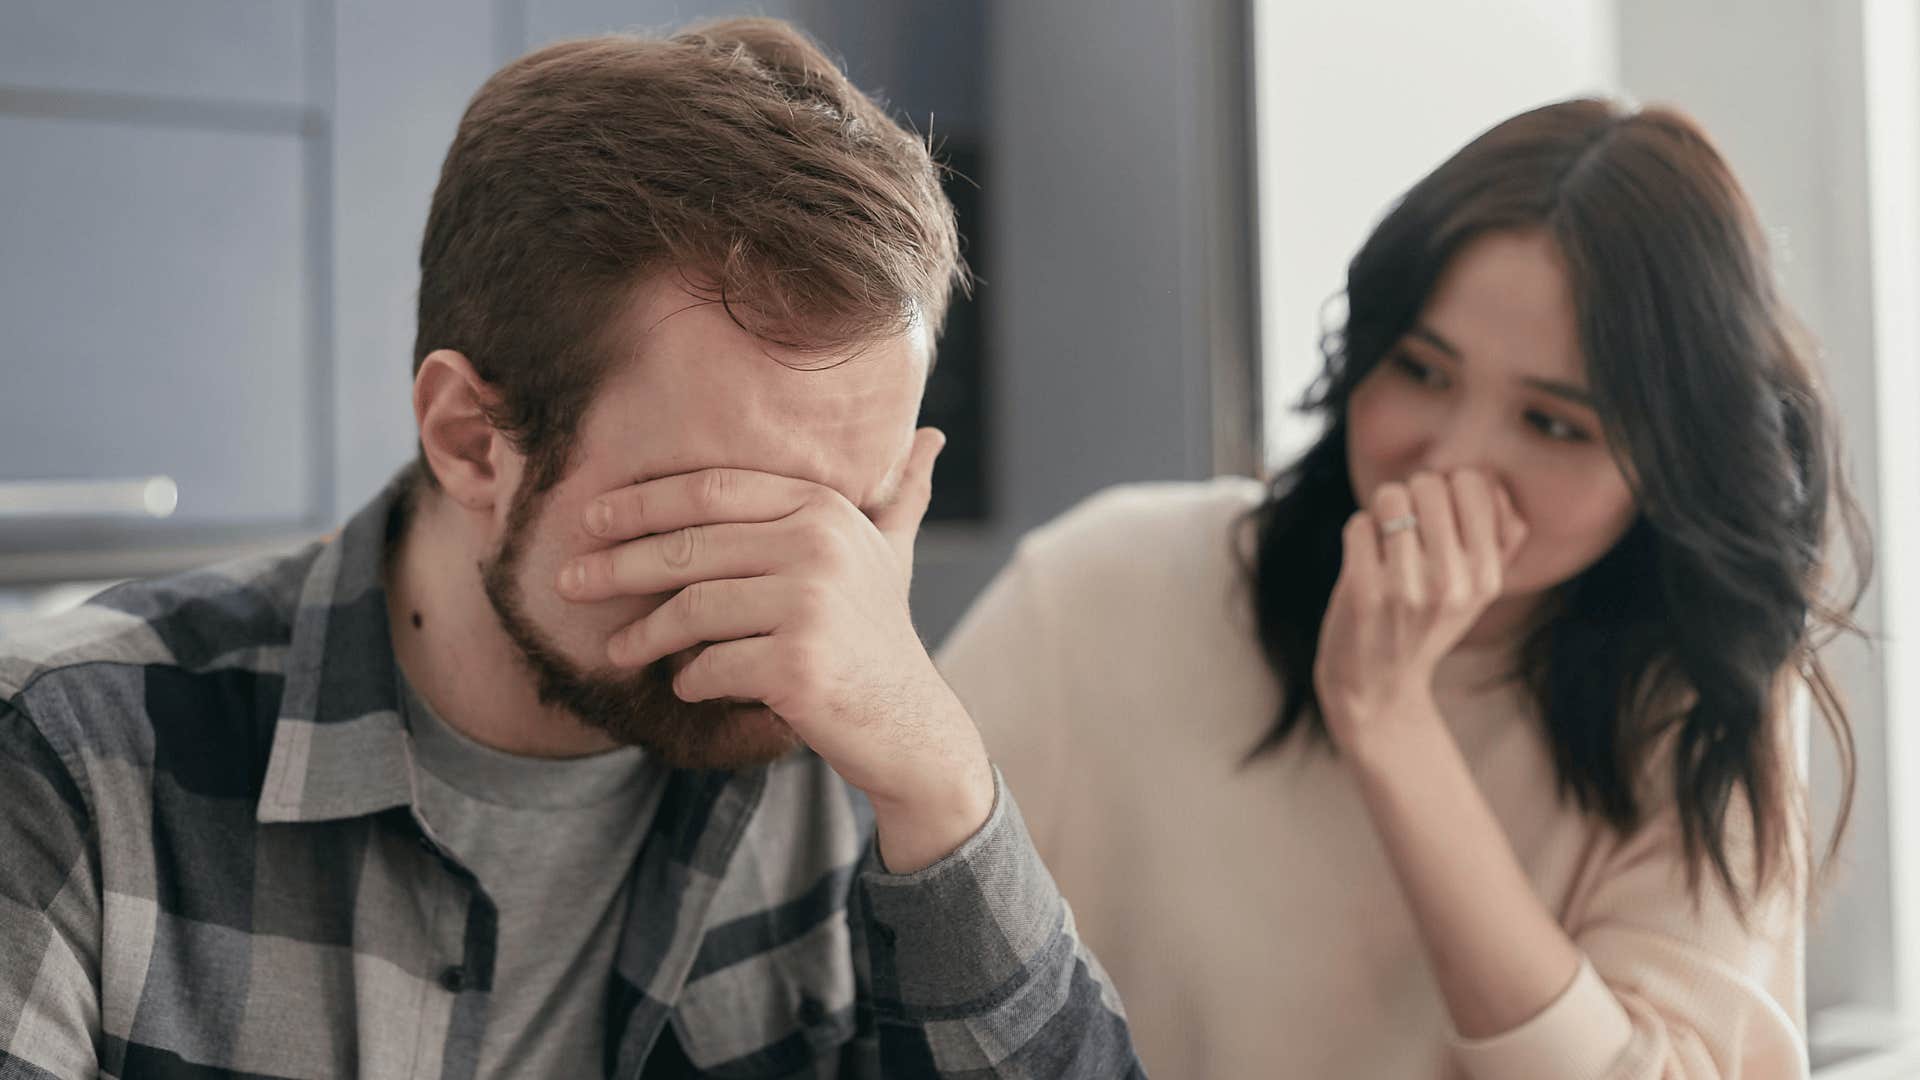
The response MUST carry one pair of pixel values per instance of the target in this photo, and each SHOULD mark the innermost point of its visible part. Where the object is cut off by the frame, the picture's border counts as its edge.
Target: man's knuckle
(813, 600)
(820, 542)
(796, 668)
(714, 489)
(693, 601)
(678, 548)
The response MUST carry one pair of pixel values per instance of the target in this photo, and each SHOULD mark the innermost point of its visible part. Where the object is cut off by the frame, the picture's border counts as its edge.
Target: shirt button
(812, 1011)
(453, 979)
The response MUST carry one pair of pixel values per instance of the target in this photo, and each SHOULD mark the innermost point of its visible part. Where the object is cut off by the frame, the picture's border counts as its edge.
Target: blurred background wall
(210, 212)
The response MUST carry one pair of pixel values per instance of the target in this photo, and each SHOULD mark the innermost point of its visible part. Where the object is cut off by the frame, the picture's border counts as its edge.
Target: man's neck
(450, 644)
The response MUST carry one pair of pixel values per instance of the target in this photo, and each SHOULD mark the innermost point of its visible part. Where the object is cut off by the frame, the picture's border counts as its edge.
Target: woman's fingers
(1360, 569)
(1476, 499)
(1446, 539)
(1406, 577)
(1448, 574)
(1513, 527)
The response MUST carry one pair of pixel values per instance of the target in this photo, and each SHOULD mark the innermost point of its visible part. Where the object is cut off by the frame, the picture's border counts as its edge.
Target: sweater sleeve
(1670, 987)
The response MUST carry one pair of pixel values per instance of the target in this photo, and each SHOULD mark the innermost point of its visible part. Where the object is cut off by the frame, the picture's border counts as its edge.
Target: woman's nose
(1464, 443)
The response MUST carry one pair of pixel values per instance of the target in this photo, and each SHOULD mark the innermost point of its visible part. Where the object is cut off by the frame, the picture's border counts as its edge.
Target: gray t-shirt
(553, 842)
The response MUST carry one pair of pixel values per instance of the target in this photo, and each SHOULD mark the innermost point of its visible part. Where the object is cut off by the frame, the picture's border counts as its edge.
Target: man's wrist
(918, 830)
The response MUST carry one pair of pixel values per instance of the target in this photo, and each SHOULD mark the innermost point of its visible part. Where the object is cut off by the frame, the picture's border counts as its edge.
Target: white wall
(1891, 29)
(1359, 99)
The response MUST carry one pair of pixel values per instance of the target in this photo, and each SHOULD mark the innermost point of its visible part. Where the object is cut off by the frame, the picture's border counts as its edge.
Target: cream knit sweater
(1248, 915)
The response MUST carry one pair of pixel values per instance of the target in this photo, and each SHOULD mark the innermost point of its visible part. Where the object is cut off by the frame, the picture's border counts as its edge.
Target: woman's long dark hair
(1682, 639)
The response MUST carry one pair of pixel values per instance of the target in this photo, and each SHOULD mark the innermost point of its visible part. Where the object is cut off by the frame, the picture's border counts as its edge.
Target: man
(601, 742)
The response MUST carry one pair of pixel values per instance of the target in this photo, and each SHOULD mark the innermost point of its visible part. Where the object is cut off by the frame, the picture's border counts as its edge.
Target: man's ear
(450, 402)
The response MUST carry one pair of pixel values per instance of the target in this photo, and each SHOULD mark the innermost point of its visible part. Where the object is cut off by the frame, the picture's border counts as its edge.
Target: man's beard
(636, 708)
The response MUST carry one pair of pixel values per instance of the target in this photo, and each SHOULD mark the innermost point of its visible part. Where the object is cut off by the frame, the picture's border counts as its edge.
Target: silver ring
(1398, 524)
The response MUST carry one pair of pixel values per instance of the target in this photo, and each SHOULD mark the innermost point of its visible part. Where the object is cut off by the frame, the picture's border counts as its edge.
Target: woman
(1464, 748)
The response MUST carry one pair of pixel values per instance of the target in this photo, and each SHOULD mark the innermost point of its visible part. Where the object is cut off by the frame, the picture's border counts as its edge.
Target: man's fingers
(729, 669)
(705, 497)
(667, 561)
(900, 520)
(705, 611)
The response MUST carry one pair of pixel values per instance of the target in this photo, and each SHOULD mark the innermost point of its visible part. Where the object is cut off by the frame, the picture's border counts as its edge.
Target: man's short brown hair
(735, 153)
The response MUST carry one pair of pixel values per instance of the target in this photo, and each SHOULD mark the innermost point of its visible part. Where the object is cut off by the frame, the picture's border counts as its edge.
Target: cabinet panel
(155, 288)
(250, 51)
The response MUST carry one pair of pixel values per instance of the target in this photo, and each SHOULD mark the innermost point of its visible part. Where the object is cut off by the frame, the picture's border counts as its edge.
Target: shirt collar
(340, 746)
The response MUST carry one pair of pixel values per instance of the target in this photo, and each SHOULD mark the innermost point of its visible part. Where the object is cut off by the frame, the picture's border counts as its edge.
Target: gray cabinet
(162, 321)
(210, 216)
(164, 261)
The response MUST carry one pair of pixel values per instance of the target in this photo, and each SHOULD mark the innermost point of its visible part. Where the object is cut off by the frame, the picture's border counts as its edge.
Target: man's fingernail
(599, 517)
(573, 578)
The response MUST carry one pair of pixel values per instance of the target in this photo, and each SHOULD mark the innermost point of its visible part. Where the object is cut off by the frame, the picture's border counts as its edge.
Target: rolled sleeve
(1579, 1036)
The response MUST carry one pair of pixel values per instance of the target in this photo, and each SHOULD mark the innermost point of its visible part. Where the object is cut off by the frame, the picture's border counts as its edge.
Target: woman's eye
(1424, 374)
(1555, 428)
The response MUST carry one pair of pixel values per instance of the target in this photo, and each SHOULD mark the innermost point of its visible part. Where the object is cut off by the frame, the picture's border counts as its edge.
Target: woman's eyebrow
(1568, 391)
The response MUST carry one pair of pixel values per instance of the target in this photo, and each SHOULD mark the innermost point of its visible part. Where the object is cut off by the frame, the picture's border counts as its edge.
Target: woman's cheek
(1572, 521)
(1541, 500)
(1383, 426)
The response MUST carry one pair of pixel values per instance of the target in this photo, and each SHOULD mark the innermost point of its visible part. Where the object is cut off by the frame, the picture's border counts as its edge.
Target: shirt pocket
(766, 1000)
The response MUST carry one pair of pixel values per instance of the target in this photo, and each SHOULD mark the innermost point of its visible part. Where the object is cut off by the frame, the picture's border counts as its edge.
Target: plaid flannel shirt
(211, 865)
